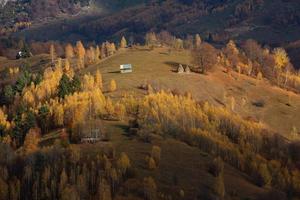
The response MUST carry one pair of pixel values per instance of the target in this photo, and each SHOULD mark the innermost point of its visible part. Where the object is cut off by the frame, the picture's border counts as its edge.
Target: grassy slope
(155, 67)
(188, 163)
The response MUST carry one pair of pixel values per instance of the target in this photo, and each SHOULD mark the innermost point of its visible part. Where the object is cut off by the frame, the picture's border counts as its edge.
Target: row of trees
(85, 56)
(251, 59)
(165, 38)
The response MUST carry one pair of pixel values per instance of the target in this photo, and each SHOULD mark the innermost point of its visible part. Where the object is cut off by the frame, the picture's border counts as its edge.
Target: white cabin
(125, 68)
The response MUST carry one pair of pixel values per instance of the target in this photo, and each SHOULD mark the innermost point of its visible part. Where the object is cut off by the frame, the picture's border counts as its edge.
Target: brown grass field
(280, 111)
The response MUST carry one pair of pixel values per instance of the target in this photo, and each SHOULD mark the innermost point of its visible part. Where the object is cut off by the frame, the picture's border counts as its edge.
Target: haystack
(180, 69)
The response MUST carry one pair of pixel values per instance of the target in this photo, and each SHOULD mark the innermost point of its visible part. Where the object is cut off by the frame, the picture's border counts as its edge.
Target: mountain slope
(268, 21)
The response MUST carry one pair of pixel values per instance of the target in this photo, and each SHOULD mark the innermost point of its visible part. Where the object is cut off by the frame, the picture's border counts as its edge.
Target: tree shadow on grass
(115, 72)
(173, 65)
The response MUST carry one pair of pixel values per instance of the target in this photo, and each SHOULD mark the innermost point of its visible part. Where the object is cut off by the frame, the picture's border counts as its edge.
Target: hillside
(150, 99)
(216, 88)
(270, 22)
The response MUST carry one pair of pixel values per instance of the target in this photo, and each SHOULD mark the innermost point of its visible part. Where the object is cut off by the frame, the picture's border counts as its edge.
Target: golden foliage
(46, 89)
(197, 40)
(98, 79)
(123, 43)
(281, 58)
(110, 48)
(7, 140)
(151, 163)
(123, 162)
(90, 55)
(31, 141)
(52, 52)
(3, 120)
(112, 86)
(69, 51)
(79, 106)
(13, 71)
(80, 50)
(68, 69)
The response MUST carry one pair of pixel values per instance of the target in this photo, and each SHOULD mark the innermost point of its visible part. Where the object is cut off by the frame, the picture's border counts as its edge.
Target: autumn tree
(189, 42)
(166, 38)
(219, 187)
(104, 191)
(80, 53)
(4, 123)
(31, 141)
(232, 53)
(151, 39)
(68, 69)
(123, 163)
(178, 44)
(123, 43)
(90, 55)
(69, 51)
(52, 53)
(70, 192)
(103, 51)
(110, 48)
(253, 50)
(63, 181)
(97, 54)
(204, 58)
(150, 189)
(151, 163)
(98, 79)
(198, 41)
(112, 85)
(281, 58)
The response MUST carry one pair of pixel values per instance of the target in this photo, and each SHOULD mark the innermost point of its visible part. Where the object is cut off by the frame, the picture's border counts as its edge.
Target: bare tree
(204, 57)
